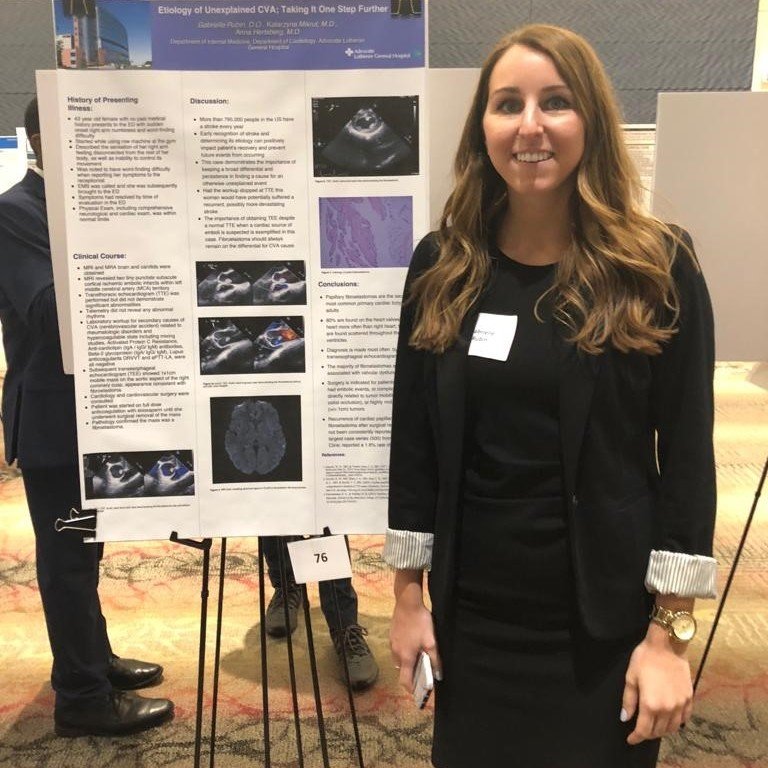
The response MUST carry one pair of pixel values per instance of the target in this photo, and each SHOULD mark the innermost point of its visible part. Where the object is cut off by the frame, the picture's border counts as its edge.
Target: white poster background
(641, 143)
(128, 154)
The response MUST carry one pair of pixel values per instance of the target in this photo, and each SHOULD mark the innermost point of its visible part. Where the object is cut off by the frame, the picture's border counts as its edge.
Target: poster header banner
(227, 36)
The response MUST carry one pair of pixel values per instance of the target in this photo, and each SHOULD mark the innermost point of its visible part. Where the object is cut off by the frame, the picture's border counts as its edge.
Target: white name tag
(493, 336)
(320, 559)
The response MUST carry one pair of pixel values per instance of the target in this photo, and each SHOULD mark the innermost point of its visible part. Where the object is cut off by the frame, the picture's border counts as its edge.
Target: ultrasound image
(250, 283)
(369, 136)
(235, 345)
(138, 473)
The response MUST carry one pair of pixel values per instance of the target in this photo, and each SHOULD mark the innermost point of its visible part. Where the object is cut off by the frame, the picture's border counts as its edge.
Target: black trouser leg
(68, 578)
(346, 597)
(270, 547)
(342, 588)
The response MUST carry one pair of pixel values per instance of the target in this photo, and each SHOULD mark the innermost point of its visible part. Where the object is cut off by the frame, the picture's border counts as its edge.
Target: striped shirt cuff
(675, 573)
(408, 549)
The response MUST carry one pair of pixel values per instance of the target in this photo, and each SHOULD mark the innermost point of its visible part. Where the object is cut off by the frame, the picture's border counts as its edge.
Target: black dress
(523, 686)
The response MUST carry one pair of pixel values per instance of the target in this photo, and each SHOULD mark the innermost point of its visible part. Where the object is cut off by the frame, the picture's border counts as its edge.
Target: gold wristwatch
(680, 624)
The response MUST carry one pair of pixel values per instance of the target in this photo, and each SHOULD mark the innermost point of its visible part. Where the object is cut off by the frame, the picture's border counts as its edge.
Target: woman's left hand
(658, 687)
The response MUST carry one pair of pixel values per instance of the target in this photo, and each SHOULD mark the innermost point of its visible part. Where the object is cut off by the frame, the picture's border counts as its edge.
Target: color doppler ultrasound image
(250, 283)
(232, 345)
(256, 439)
(138, 473)
(366, 136)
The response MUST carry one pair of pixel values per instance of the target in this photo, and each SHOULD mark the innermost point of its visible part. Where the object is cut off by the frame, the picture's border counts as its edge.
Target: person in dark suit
(38, 414)
(551, 461)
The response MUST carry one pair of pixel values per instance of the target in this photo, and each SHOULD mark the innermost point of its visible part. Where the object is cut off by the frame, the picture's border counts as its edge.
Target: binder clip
(76, 522)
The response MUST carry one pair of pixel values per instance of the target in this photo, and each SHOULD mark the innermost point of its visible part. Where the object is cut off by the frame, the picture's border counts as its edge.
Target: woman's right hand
(412, 629)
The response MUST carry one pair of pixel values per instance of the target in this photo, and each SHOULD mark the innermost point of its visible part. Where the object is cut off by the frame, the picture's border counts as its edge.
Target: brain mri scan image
(255, 440)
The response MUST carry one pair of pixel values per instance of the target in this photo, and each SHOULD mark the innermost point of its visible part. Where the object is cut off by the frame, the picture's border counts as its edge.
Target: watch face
(684, 627)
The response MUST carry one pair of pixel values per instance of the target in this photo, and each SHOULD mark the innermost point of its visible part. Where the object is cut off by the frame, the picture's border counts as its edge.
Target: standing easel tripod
(729, 580)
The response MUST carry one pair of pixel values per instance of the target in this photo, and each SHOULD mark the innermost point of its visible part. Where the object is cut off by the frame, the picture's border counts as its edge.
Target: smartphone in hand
(423, 681)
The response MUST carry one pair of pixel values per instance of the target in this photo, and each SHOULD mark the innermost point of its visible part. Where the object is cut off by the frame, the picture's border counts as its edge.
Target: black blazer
(38, 405)
(620, 503)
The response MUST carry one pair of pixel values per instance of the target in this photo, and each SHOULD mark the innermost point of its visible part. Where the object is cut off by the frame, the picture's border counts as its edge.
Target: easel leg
(350, 695)
(282, 554)
(217, 655)
(205, 546)
(315, 679)
(264, 666)
(728, 582)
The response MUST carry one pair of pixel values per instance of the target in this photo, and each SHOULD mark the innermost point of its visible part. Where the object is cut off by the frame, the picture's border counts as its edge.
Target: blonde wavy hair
(614, 285)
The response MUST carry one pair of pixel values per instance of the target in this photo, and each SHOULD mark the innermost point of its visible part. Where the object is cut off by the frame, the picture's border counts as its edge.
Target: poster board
(238, 216)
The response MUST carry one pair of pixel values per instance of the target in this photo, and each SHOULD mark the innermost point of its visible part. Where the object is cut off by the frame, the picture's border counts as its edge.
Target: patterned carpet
(151, 597)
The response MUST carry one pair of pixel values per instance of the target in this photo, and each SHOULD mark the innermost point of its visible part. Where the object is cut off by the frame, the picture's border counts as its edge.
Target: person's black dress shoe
(121, 714)
(131, 674)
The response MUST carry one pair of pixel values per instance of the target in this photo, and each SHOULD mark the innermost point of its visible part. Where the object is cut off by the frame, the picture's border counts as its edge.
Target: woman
(552, 459)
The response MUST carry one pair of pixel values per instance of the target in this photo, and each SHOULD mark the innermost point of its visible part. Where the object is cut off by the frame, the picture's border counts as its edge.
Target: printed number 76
(321, 557)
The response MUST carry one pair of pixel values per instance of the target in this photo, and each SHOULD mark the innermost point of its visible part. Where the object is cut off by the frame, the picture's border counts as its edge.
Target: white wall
(712, 177)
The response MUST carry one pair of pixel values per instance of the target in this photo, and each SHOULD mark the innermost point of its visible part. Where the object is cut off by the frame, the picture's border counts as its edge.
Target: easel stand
(731, 573)
(85, 522)
(284, 581)
(350, 697)
(205, 546)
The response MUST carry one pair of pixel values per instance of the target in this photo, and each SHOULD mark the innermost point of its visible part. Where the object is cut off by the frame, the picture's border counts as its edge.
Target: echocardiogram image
(231, 345)
(366, 136)
(138, 473)
(256, 439)
(250, 283)
(366, 232)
